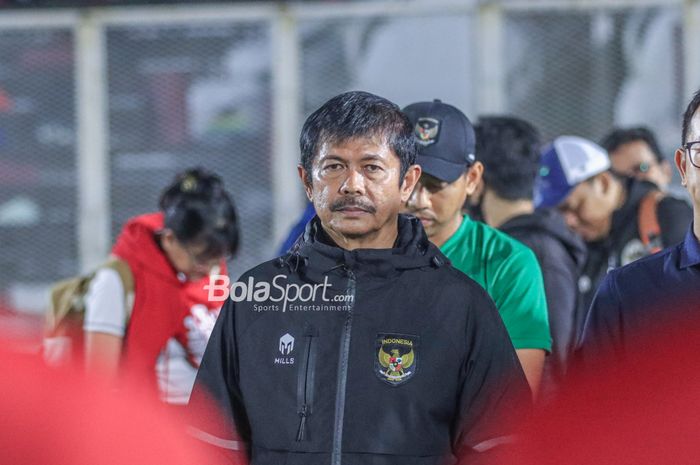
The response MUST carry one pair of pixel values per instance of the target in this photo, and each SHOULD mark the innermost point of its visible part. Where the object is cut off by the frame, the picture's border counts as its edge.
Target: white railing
(89, 27)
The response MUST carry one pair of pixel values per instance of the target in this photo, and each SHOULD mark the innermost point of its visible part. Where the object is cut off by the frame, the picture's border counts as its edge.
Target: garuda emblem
(396, 358)
(426, 130)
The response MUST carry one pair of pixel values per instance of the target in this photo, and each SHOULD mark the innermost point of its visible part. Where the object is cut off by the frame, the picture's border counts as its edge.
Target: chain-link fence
(38, 169)
(192, 95)
(228, 87)
(403, 58)
(584, 72)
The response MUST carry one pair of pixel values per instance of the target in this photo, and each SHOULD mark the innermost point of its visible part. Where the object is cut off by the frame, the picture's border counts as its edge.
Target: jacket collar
(411, 250)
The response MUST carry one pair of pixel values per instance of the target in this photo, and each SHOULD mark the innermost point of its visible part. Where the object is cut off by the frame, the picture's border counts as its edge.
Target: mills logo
(286, 347)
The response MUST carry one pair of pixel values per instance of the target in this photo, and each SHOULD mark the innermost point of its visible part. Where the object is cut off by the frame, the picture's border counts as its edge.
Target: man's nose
(354, 183)
(419, 198)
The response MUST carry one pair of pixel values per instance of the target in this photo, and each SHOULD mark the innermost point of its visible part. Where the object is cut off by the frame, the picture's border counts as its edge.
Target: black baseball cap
(445, 137)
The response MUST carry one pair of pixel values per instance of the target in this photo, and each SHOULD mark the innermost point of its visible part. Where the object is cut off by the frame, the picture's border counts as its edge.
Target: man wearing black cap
(506, 268)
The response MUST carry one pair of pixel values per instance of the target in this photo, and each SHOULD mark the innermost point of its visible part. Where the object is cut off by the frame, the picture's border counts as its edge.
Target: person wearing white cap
(643, 307)
(621, 219)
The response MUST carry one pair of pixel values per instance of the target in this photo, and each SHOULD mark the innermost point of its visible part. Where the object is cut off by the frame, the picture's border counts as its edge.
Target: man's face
(436, 203)
(690, 175)
(589, 208)
(635, 159)
(355, 187)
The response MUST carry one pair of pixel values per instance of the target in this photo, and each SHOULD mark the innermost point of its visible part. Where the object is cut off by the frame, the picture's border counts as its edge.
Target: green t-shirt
(509, 272)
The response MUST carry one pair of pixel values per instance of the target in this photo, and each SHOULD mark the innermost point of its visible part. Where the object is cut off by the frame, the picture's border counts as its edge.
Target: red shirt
(170, 317)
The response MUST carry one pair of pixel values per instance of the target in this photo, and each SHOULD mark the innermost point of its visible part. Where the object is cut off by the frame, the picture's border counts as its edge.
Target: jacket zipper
(343, 372)
(305, 387)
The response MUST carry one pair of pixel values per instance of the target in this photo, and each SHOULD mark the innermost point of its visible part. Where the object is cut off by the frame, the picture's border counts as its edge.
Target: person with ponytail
(156, 335)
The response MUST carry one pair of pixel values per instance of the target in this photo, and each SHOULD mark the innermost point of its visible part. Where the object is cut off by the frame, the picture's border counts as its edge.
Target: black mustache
(352, 202)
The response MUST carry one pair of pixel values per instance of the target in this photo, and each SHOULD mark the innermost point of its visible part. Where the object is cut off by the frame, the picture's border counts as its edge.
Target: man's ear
(603, 182)
(409, 182)
(681, 166)
(306, 181)
(478, 193)
(474, 174)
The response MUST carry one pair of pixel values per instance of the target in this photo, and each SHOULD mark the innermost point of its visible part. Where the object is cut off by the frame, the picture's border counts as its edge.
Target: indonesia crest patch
(396, 358)
(427, 131)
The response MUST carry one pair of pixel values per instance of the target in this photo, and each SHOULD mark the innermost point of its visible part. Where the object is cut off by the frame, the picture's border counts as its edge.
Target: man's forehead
(429, 180)
(575, 196)
(694, 129)
(371, 146)
(637, 146)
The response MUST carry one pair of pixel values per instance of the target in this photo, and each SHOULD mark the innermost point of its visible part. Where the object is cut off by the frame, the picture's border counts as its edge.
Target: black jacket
(623, 244)
(561, 255)
(397, 358)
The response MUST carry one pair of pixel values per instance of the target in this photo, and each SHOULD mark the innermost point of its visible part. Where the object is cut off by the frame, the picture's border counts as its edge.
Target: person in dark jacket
(362, 344)
(509, 149)
(620, 219)
(646, 301)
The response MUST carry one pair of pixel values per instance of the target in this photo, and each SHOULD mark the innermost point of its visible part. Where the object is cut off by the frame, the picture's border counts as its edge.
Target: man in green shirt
(506, 268)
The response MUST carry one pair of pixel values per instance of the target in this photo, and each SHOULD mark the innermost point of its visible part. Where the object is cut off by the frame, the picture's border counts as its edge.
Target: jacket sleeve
(561, 285)
(495, 397)
(216, 412)
(602, 329)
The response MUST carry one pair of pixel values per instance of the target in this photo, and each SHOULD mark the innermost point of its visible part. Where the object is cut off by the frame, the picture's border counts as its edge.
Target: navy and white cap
(445, 137)
(565, 163)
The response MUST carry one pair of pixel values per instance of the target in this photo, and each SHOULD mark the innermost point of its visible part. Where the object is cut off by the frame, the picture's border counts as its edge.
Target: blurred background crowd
(101, 102)
(104, 104)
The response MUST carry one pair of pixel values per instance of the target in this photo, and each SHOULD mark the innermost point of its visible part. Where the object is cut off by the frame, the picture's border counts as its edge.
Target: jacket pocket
(306, 380)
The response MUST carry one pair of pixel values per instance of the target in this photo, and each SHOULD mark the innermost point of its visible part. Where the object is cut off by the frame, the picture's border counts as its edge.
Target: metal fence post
(491, 70)
(691, 52)
(286, 108)
(92, 133)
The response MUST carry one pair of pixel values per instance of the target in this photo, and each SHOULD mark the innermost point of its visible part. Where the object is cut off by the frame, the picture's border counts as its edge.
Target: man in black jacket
(362, 344)
(509, 150)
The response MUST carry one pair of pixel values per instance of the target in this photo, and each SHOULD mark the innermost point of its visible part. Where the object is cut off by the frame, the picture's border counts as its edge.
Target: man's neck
(497, 210)
(384, 238)
(696, 223)
(448, 231)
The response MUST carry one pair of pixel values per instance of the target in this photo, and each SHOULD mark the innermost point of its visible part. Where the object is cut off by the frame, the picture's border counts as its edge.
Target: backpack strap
(648, 221)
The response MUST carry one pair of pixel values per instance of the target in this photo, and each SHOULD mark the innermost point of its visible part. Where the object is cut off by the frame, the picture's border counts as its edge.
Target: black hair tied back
(199, 211)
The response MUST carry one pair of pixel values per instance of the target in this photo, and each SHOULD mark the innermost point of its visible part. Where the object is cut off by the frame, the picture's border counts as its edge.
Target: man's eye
(333, 167)
(433, 187)
(373, 168)
(568, 208)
